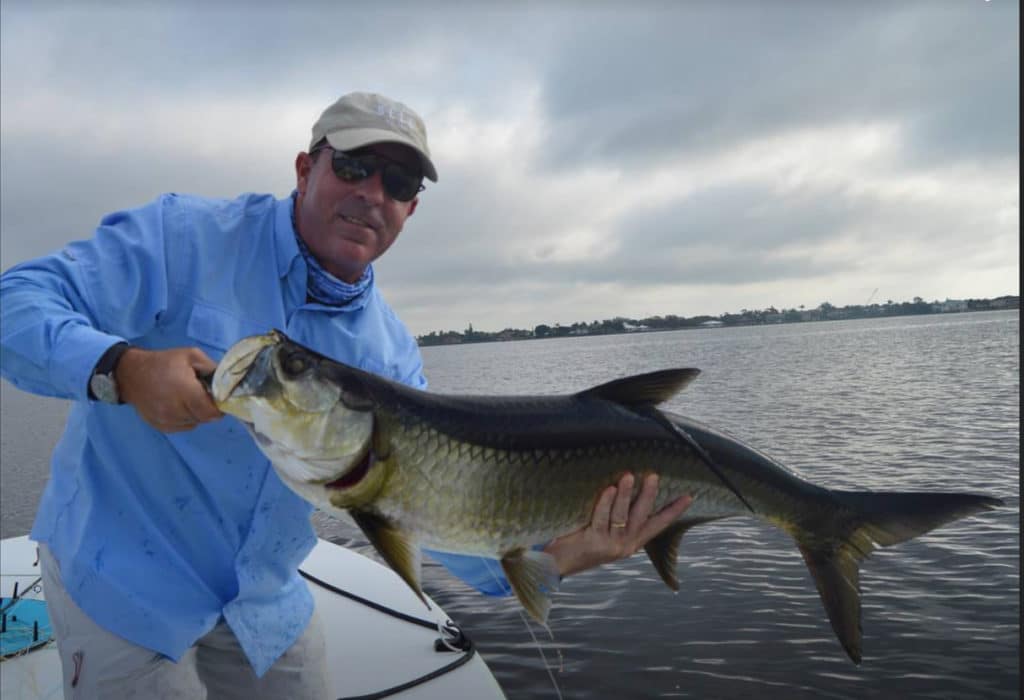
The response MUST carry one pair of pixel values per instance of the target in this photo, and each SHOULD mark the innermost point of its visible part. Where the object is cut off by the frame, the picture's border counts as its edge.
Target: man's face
(348, 225)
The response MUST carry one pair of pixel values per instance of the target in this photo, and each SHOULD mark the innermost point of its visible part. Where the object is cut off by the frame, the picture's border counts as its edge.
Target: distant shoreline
(769, 316)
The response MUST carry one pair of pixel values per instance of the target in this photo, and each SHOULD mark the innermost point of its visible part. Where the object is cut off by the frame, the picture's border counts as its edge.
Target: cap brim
(350, 139)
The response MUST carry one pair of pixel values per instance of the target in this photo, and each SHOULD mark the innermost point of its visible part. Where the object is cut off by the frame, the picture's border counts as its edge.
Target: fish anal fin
(644, 389)
(534, 577)
(663, 550)
(400, 552)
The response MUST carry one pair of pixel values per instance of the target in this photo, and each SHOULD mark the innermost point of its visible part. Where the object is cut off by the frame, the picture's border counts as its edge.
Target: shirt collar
(284, 236)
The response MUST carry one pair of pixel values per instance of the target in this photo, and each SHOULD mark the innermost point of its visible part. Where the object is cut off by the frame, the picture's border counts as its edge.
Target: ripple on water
(892, 404)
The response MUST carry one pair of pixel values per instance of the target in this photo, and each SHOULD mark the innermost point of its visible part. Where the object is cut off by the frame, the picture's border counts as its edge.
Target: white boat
(381, 640)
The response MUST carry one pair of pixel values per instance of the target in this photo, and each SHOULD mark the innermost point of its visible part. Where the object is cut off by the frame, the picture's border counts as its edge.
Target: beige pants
(98, 664)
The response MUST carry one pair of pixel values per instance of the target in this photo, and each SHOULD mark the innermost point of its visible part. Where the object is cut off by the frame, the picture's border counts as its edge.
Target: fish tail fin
(866, 520)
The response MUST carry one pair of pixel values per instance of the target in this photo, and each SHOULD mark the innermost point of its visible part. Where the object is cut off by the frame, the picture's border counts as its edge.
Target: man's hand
(616, 530)
(164, 388)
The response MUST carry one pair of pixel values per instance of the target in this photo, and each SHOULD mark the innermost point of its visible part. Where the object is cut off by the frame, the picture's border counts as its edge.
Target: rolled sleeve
(60, 312)
(483, 574)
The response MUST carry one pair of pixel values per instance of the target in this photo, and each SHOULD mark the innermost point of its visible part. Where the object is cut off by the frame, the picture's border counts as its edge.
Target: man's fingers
(644, 504)
(175, 428)
(164, 387)
(620, 506)
(201, 408)
(204, 367)
(194, 408)
(169, 419)
(665, 517)
(603, 509)
(198, 410)
(199, 404)
(201, 362)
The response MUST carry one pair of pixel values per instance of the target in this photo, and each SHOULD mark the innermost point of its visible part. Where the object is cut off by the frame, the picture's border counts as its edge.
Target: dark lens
(399, 183)
(351, 169)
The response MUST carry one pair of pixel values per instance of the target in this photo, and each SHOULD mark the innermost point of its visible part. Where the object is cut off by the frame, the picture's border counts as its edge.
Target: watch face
(104, 388)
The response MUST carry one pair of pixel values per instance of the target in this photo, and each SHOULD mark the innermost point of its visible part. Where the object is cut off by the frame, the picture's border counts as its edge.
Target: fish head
(312, 428)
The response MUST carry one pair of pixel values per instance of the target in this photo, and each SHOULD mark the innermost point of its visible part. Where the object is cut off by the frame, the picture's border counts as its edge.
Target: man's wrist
(102, 382)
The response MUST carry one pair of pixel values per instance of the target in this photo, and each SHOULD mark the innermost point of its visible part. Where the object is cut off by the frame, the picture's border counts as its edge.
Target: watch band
(106, 365)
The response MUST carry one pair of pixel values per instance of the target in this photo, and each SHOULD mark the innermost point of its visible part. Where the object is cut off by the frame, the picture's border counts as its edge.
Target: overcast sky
(596, 159)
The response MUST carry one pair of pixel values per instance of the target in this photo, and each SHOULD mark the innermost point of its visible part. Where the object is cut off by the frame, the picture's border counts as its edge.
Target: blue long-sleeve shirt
(159, 535)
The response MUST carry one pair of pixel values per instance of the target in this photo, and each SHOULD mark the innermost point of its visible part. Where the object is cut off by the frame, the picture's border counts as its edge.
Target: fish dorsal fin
(644, 389)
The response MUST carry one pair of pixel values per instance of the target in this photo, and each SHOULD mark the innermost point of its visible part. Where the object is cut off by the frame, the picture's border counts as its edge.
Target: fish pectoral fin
(644, 389)
(663, 550)
(534, 576)
(400, 552)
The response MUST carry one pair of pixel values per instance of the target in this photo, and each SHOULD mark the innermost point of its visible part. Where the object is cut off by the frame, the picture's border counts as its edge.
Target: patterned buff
(325, 288)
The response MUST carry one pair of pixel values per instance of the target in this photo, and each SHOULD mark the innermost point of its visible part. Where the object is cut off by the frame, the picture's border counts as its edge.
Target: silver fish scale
(463, 497)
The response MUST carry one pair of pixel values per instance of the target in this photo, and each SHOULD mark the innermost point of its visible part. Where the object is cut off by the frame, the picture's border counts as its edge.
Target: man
(169, 546)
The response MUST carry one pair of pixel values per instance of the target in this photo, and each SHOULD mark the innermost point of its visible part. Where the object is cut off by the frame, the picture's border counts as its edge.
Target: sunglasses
(400, 182)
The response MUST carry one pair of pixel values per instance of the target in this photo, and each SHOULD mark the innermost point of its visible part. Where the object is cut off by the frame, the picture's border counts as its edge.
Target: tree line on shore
(823, 312)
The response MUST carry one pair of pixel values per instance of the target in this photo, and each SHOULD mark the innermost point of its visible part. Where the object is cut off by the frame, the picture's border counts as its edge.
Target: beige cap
(361, 118)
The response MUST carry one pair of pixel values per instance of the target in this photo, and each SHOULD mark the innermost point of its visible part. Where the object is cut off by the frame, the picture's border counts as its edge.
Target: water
(926, 403)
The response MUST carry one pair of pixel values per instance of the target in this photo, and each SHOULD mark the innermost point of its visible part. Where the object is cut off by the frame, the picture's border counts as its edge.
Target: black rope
(15, 597)
(461, 641)
(368, 603)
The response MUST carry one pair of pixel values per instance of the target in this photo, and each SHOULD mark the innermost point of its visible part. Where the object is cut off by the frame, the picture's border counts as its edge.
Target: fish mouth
(235, 372)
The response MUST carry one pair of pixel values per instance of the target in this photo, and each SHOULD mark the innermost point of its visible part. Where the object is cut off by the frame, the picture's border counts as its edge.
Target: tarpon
(496, 475)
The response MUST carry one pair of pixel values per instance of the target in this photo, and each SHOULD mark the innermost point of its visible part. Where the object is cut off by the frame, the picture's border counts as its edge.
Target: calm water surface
(921, 403)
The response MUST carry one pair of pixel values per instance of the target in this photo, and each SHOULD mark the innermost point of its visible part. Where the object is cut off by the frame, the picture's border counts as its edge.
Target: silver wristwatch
(103, 383)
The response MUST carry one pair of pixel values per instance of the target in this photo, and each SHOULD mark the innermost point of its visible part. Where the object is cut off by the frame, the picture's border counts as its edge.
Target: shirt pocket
(215, 330)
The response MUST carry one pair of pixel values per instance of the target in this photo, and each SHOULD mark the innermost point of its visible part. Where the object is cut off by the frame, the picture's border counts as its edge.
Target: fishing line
(536, 642)
(666, 423)
(540, 649)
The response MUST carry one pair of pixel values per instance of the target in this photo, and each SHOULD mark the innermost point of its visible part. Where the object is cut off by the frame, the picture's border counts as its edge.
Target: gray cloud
(556, 127)
(691, 77)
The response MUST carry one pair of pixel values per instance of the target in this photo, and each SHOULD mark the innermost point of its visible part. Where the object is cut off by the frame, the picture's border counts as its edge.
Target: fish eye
(294, 364)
